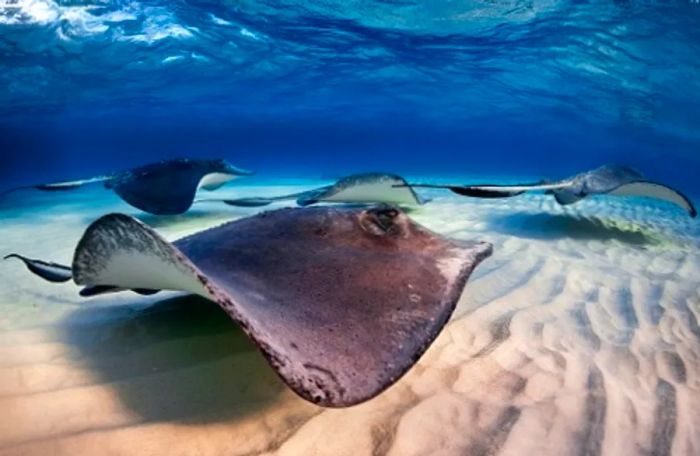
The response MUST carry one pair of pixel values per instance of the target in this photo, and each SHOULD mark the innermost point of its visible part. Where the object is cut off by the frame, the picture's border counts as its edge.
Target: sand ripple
(579, 336)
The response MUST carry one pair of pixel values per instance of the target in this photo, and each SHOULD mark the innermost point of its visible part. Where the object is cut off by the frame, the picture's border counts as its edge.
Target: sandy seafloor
(579, 336)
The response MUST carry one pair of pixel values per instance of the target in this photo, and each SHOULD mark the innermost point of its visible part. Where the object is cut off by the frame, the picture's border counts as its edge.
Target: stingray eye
(380, 221)
(386, 218)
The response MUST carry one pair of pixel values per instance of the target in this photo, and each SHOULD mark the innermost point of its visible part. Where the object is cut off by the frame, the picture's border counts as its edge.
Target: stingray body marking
(364, 188)
(164, 188)
(341, 301)
(609, 180)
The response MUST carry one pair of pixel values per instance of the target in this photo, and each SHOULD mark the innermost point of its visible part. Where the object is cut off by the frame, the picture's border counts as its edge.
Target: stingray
(365, 188)
(164, 188)
(341, 301)
(609, 180)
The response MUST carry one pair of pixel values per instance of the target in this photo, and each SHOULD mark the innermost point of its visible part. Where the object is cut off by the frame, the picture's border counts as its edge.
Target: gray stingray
(163, 188)
(610, 180)
(365, 188)
(341, 301)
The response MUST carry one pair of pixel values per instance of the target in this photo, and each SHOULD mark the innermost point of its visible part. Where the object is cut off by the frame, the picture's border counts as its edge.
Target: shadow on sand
(181, 359)
(555, 226)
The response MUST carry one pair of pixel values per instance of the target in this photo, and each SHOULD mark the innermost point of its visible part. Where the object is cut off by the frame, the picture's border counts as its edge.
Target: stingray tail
(15, 189)
(485, 191)
(251, 202)
(241, 202)
(57, 186)
(256, 201)
(476, 192)
(47, 270)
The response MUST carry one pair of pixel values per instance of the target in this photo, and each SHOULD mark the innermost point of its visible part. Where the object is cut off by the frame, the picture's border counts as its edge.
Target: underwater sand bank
(580, 335)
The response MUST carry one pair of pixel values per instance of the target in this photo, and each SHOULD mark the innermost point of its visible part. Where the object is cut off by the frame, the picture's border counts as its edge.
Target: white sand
(579, 336)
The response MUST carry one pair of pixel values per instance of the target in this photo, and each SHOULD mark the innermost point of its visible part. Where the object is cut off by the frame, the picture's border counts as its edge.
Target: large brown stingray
(341, 301)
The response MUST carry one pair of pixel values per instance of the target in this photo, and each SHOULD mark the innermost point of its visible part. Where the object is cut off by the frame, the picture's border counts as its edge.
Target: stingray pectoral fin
(419, 199)
(52, 272)
(657, 191)
(118, 251)
(213, 181)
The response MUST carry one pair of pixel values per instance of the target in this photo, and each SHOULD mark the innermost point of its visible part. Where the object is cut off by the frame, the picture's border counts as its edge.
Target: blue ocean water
(320, 88)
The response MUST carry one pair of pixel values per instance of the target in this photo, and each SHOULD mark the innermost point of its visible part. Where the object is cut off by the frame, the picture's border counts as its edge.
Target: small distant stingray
(368, 188)
(341, 301)
(164, 188)
(609, 180)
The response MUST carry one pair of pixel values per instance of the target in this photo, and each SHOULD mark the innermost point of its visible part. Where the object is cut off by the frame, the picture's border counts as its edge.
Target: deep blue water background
(307, 89)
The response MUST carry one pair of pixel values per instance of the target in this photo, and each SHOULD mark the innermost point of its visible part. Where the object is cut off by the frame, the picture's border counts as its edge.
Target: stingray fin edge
(649, 189)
